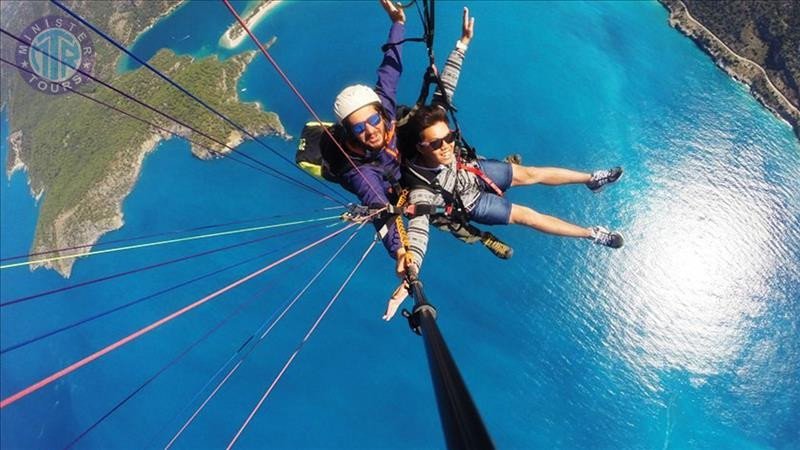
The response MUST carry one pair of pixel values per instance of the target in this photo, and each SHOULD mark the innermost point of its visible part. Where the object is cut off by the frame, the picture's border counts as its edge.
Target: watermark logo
(69, 47)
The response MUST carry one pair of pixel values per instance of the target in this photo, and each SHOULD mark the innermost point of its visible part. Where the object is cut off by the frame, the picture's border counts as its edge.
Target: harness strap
(480, 174)
(385, 47)
(453, 208)
(412, 211)
(391, 150)
(427, 79)
(401, 229)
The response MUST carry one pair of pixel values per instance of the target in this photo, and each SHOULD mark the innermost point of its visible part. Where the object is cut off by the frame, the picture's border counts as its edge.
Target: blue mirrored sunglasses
(360, 127)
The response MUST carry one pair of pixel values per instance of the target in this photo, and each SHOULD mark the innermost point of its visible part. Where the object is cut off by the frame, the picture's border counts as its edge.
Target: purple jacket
(386, 162)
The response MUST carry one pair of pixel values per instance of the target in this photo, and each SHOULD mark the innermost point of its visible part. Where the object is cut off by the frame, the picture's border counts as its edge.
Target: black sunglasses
(436, 144)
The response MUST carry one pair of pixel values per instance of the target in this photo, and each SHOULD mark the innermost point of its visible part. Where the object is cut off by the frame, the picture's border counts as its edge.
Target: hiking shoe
(496, 246)
(514, 158)
(601, 236)
(601, 178)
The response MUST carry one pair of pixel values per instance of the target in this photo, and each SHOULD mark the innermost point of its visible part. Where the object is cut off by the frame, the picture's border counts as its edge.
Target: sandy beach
(235, 35)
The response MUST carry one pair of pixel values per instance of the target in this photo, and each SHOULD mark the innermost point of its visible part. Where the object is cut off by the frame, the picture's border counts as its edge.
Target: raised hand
(394, 11)
(467, 27)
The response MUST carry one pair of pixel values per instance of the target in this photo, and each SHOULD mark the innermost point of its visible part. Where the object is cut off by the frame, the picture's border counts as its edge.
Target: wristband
(461, 46)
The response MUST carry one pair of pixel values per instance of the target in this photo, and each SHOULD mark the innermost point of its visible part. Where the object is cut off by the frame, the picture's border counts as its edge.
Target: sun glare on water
(695, 278)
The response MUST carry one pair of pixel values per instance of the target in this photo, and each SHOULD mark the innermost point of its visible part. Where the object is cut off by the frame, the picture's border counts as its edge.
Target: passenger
(439, 181)
(408, 138)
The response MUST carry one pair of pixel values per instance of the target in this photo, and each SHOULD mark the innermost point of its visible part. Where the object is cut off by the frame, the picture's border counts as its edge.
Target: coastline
(109, 192)
(158, 18)
(14, 146)
(104, 201)
(236, 137)
(235, 35)
(99, 211)
(740, 68)
(118, 64)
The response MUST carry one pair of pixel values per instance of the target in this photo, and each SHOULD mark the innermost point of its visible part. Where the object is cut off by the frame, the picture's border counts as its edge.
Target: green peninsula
(82, 159)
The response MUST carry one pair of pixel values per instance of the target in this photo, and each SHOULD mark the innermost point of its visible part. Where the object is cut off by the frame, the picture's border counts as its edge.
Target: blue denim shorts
(490, 208)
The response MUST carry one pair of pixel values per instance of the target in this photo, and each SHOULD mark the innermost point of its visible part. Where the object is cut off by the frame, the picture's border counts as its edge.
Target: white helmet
(353, 98)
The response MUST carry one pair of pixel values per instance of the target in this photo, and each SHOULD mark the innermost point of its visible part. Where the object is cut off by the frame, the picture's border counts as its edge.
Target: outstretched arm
(418, 228)
(391, 66)
(452, 67)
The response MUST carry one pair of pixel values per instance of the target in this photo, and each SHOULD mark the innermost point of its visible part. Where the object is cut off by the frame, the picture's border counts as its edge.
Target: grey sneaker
(601, 178)
(601, 236)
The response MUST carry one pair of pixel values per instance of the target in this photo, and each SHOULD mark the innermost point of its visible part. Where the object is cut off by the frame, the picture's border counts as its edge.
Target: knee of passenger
(527, 175)
(522, 214)
(534, 175)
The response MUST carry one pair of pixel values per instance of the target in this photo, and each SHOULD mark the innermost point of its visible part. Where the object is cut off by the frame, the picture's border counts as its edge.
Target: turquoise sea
(688, 337)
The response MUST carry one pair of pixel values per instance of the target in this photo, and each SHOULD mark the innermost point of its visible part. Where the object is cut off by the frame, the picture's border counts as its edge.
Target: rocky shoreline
(14, 163)
(740, 68)
(236, 137)
(108, 194)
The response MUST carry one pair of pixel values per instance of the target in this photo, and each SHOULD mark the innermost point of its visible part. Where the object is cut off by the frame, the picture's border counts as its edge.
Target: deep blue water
(685, 338)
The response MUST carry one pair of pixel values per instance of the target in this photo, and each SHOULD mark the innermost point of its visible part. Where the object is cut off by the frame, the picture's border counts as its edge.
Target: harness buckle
(362, 213)
(355, 213)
